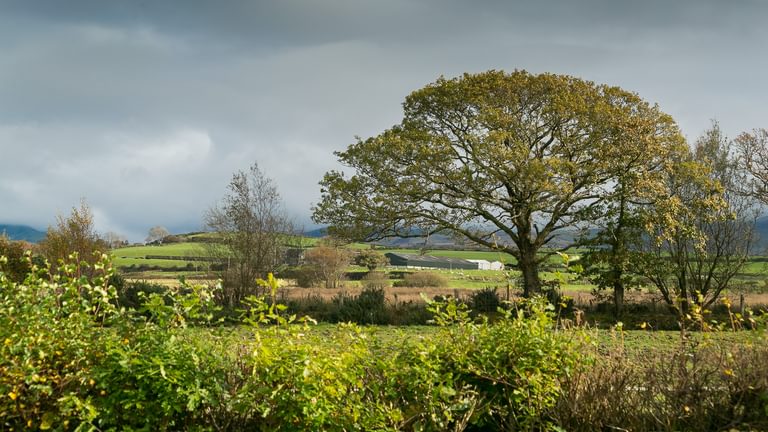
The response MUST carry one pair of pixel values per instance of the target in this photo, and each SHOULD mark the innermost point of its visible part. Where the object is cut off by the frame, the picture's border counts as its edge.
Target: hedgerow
(72, 359)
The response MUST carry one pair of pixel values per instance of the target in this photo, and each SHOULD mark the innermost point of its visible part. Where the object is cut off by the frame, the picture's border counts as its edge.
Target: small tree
(115, 240)
(157, 234)
(75, 234)
(329, 263)
(250, 225)
(703, 230)
(752, 157)
(370, 259)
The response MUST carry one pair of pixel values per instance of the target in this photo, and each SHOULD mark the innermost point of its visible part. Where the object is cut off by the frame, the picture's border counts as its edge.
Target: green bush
(90, 364)
(132, 294)
(368, 307)
(18, 262)
(423, 280)
(482, 376)
(306, 276)
(370, 259)
(53, 333)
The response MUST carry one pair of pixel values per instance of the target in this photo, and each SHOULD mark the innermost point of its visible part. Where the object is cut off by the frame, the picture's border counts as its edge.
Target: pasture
(750, 281)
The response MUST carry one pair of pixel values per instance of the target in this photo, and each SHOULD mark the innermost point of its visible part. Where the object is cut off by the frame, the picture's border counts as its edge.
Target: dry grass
(170, 282)
(400, 294)
(698, 386)
(582, 299)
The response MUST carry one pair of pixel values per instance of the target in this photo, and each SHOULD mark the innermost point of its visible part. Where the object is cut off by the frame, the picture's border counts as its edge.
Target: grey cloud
(94, 95)
(300, 22)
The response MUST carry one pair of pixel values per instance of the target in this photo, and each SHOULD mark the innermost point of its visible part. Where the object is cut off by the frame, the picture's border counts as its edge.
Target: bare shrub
(697, 386)
(329, 263)
(375, 280)
(423, 279)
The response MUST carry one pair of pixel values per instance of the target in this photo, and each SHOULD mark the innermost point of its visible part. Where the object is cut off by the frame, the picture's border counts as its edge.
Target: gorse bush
(305, 276)
(368, 307)
(485, 300)
(370, 259)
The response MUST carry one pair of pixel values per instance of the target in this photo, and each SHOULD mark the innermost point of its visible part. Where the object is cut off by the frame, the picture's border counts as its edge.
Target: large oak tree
(493, 156)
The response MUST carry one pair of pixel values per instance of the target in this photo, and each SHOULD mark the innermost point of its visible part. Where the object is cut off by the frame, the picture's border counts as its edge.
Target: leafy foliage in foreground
(72, 360)
(88, 365)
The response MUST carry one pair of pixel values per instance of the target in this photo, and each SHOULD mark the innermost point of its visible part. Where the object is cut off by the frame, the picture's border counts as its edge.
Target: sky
(146, 108)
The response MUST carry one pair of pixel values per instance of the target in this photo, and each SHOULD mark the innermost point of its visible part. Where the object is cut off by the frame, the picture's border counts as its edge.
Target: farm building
(429, 261)
(488, 265)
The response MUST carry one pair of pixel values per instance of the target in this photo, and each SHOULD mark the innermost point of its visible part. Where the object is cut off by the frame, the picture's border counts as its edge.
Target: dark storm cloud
(146, 108)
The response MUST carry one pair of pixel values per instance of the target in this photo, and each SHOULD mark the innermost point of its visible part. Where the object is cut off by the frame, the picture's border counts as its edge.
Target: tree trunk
(529, 267)
(618, 298)
(682, 286)
(619, 255)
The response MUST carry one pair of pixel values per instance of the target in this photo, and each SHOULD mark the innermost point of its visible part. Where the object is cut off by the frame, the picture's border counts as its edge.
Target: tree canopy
(507, 160)
(157, 234)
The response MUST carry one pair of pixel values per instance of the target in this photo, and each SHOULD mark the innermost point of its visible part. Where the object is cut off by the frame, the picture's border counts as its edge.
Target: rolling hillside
(22, 232)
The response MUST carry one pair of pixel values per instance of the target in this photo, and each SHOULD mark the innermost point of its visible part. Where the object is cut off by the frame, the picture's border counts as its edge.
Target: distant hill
(564, 238)
(761, 233)
(317, 233)
(22, 232)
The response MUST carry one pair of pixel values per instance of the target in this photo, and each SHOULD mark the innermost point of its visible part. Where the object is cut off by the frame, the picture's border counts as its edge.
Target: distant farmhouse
(488, 265)
(429, 261)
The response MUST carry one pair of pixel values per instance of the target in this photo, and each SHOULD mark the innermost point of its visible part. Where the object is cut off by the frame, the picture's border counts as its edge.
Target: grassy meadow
(134, 260)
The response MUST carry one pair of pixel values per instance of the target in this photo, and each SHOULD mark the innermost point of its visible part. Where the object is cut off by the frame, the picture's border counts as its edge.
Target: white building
(488, 265)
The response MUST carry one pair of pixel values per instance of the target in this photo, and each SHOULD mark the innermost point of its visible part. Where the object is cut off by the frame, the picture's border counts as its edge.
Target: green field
(483, 255)
(751, 279)
(197, 249)
(136, 255)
